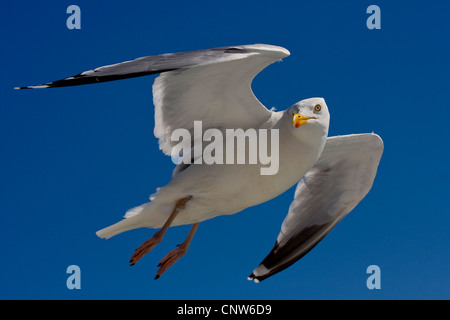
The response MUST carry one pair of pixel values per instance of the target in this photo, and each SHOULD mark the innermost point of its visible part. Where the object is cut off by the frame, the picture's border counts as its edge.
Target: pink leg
(148, 245)
(173, 256)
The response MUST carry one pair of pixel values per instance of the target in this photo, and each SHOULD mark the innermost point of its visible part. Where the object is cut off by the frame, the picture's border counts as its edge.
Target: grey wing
(212, 86)
(150, 65)
(341, 178)
(217, 93)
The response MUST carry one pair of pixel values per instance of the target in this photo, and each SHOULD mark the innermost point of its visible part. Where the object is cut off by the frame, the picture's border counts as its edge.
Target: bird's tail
(134, 218)
(119, 227)
(152, 214)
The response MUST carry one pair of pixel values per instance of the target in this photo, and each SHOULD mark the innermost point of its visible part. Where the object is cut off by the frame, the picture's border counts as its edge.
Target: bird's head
(309, 112)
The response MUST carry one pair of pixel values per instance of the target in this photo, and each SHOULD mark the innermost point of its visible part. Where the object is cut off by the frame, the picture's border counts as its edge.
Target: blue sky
(73, 160)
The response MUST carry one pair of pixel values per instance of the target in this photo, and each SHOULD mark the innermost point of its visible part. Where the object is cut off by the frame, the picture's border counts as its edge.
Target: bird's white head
(311, 112)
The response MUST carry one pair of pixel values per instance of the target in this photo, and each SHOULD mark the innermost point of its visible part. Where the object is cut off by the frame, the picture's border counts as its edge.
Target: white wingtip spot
(260, 270)
(255, 280)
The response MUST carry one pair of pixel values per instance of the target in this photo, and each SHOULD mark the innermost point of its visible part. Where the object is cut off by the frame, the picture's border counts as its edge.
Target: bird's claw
(170, 259)
(144, 248)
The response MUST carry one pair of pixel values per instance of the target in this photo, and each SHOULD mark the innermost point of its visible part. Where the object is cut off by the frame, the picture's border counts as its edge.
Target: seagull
(333, 174)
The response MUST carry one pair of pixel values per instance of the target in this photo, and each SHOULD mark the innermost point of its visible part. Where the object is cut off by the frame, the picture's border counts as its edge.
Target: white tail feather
(119, 227)
(145, 215)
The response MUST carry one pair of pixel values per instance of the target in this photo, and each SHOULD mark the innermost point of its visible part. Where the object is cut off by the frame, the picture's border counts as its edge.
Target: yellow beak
(298, 120)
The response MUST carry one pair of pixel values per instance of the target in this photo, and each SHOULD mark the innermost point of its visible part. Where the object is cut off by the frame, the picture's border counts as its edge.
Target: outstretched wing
(212, 86)
(341, 178)
(217, 92)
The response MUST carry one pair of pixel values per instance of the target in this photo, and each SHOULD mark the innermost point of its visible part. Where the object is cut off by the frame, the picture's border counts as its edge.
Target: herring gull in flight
(333, 174)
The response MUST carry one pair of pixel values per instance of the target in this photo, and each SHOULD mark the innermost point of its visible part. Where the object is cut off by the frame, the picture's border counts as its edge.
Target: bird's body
(213, 87)
(212, 185)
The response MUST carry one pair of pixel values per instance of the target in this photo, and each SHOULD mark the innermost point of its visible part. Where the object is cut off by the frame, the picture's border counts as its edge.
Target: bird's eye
(318, 107)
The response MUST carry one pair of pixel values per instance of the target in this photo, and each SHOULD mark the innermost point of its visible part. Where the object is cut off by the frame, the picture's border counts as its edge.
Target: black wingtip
(41, 86)
(254, 278)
